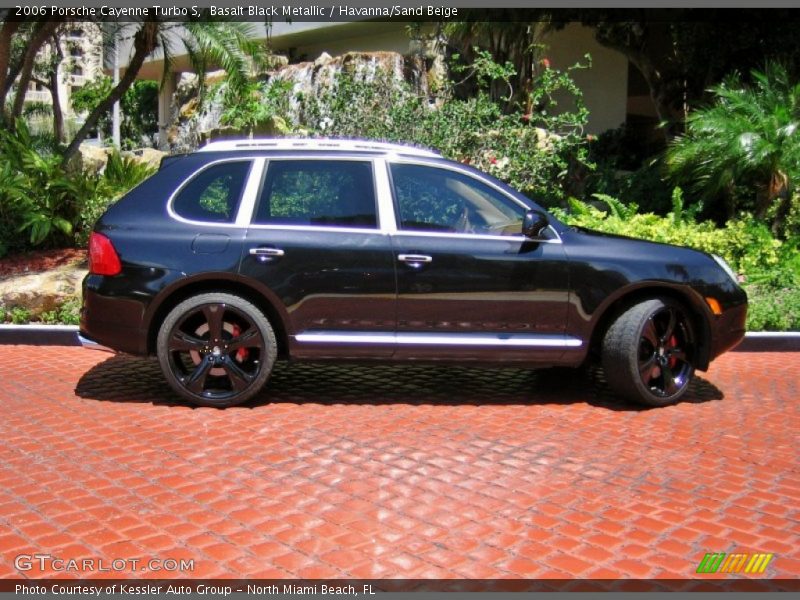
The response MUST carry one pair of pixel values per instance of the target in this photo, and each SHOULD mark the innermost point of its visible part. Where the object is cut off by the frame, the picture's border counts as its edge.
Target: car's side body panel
(345, 293)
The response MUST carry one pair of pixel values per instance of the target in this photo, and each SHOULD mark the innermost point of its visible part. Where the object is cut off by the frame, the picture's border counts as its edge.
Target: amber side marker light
(713, 304)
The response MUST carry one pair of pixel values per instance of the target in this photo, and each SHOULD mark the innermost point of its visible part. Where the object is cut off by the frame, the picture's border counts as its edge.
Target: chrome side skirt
(506, 340)
(92, 345)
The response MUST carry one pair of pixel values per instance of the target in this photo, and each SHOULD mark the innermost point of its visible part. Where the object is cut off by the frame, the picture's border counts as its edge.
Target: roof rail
(316, 144)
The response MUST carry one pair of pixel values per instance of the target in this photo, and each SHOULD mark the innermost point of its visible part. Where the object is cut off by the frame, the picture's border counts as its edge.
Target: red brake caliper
(673, 342)
(241, 353)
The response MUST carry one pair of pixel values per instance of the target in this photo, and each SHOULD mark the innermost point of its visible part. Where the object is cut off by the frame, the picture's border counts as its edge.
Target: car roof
(326, 144)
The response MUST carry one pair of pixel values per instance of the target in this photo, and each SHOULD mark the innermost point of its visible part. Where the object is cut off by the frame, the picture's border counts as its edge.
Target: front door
(316, 244)
(468, 280)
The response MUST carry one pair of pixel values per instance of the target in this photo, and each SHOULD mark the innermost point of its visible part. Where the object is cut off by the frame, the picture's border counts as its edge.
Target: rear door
(315, 241)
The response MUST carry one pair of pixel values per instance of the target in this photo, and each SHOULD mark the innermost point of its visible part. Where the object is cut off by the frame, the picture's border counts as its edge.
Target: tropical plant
(42, 204)
(41, 196)
(256, 104)
(744, 148)
(230, 45)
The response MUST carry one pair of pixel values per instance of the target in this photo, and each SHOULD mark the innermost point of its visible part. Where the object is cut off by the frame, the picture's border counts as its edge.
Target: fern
(617, 208)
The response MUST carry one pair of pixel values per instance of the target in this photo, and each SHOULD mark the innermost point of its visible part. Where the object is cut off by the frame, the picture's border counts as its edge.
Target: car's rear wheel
(216, 349)
(647, 352)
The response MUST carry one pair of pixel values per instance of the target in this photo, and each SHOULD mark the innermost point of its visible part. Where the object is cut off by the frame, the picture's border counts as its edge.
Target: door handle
(264, 254)
(414, 260)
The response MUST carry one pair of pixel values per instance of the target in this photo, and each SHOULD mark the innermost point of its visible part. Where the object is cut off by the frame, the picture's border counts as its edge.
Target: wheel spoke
(197, 380)
(239, 378)
(183, 342)
(649, 333)
(670, 385)
(213, 314)
(670, 326)
(249, 339)
(646, 368)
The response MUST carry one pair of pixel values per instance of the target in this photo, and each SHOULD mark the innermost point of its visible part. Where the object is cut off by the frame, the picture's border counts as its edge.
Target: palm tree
(227, 44)
(748, 135)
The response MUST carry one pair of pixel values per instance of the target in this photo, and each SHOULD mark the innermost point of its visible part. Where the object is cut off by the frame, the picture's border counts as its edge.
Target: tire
(216, 349)
(647, 352)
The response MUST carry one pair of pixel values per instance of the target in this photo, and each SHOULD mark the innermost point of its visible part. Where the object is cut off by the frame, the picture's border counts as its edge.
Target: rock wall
(192, 125)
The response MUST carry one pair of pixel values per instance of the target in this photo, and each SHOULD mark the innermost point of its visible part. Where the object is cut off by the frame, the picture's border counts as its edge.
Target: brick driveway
(386, 472)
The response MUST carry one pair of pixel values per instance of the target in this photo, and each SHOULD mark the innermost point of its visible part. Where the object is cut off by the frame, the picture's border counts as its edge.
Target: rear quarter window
(214, 193)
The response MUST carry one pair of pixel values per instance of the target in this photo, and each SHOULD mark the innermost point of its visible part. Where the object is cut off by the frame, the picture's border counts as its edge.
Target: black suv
(247, 251)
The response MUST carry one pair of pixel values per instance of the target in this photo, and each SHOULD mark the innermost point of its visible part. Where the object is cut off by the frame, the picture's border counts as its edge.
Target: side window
(433, 199)
(214, 193)
(332, 193)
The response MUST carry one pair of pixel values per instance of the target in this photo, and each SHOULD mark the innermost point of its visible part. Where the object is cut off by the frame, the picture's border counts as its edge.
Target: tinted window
(432, 199)
(337, 193)
(214, 193)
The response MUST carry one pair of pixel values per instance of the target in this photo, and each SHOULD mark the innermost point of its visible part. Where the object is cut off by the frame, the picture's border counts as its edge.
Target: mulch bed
(39, 261)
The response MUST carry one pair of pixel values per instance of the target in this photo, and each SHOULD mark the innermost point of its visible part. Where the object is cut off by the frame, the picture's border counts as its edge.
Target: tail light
(103, 259)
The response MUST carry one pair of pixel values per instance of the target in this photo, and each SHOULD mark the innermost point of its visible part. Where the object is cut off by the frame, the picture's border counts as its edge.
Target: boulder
(150, 157)
(42, 292)
(189, 109)
(93, 158)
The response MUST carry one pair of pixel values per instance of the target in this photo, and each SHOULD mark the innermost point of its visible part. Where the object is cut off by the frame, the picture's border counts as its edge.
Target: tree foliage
(139, 108)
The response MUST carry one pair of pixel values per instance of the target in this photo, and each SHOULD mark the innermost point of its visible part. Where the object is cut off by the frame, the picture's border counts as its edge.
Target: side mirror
(533, 223)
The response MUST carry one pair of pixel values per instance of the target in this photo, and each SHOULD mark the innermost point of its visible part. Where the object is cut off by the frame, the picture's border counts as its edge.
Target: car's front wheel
(647, 352)
(216, 349)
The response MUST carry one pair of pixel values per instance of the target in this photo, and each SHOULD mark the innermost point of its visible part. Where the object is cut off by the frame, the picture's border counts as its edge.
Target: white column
(165, 95)
(116, 116)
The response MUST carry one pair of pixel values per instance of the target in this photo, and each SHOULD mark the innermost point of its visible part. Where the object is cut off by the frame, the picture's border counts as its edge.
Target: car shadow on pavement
(132, 379)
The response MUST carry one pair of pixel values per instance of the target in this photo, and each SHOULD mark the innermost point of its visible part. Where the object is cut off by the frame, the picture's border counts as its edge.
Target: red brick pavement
(387, 471)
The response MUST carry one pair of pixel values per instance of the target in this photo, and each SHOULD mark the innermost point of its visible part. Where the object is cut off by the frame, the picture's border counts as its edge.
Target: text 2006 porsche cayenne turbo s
(249, 251)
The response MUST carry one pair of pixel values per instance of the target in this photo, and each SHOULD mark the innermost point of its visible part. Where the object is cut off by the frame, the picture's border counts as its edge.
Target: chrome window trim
(247, 189)
(470, 174)
(387, 218)
(477, 236)
(521, 340)
(312, 228)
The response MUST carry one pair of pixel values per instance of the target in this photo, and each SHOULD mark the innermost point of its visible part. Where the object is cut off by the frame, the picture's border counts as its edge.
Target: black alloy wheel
(647, 352)
(216, 349)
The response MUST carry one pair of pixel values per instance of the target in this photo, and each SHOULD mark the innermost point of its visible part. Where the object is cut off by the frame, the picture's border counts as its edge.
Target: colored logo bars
(721, 562)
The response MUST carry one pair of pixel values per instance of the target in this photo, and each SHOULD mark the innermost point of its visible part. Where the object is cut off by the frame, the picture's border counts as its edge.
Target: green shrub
(68, 313)
(120, 175)
(39, 199)
(770, 268)
(773, 310)
(44, 205)
(745, 243)
(18, 315)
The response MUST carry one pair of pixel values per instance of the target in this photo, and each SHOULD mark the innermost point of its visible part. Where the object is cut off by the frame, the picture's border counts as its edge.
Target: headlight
(727, 268)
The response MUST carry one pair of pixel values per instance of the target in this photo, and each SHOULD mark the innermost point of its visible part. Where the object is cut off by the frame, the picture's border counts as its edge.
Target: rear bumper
(110, 320)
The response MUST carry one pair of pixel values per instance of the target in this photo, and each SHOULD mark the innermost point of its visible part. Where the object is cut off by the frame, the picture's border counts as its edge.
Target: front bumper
(728, 330)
